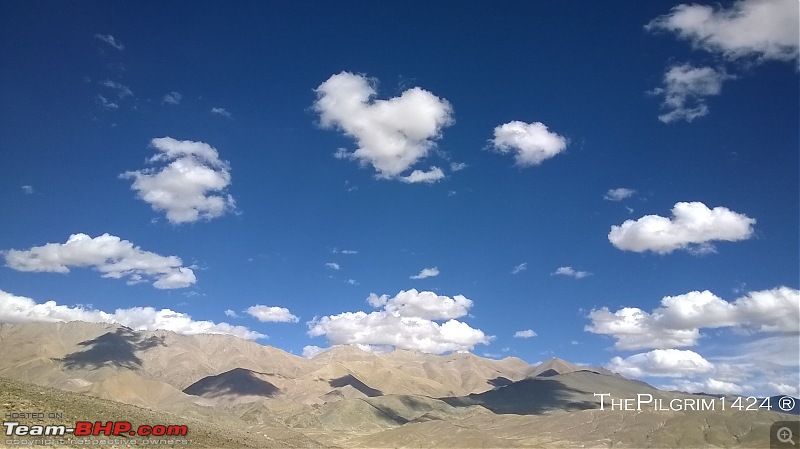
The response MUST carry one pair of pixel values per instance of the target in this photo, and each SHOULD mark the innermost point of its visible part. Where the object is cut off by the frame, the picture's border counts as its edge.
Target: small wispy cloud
(122, 90)
(527, 333)
(521, 267)
(333, 265)
(686, 89)
(109, 39)
(457, 166)
(569, 271)
(231, 313)
(221, 111)
(351, 282)
(172, 98)
(344, 251)
(618, 194)
(426, 273)
(105, 103)
(28, 190)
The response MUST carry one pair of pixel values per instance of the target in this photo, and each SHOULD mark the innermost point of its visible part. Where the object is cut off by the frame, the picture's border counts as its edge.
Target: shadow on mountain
(351, 380)
(530, 396)
(501, 381)
(116, 349)
(236, 382)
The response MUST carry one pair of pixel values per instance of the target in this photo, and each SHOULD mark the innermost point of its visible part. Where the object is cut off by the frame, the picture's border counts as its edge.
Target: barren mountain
(346, 397)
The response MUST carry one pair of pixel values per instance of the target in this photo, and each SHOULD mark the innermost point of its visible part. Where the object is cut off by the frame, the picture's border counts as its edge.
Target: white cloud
(183, 187)
(692, 226)
(685, 89)
(407, 321)
(709, 385)
(351, 282)
(532, 142)
(221, 111)
(311, 350)
(427, 305)
(760, 29)
(267, 314)
(429, 177)
(661, 363)
(763, 367)
(231, 313)
(109, 39)
(28, 190)
(521, 267)
(457, 166)
(569, 271)
(344, 251)
(618, 194)
(386, 329)
(105, 103)
(527, 333)
(19, 309)
(108, 254)
(678, 321)
(392, 135)
(426, 273)
(122, 90)
(784, 389)
(333, 265)
(172, 98)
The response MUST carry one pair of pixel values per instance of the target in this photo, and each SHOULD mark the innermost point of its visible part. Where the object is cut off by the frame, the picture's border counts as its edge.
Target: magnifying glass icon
(784, 435)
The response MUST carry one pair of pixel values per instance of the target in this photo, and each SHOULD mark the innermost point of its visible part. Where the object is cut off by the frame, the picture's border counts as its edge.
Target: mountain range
(345, 397)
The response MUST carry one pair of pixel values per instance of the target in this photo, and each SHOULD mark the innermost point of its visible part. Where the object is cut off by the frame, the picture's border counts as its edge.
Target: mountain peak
(553, 367)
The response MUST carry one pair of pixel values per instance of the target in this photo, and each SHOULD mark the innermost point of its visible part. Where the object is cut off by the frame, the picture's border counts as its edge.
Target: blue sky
(620, 180)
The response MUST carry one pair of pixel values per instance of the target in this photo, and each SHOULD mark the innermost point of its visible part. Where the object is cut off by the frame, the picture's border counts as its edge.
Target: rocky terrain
(235, 393)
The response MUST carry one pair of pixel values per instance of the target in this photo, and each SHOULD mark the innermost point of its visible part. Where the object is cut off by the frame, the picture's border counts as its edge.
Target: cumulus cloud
(661, 362)
(678, 321)
(759, 29)
(427, 305)
(618, 194)
(764, 366)
(426, 273)
(172, 98)
(20, 309)
(693, 226)
(311, 350)
(406, 321)
(457, 166)
(531, 143)
(267, 314)
(108, 254)
(521, 267)
(709, 385)
(185, 187)
(429, 177)
(222, 112)
(569, 271)
(110, 40)
(685, 90)
(527, 333)
(333, 265)
(392, 135)
(231, 313)
(121, 89)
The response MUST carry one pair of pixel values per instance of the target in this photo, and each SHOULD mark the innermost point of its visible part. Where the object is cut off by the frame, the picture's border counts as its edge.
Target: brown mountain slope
(16, 396)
